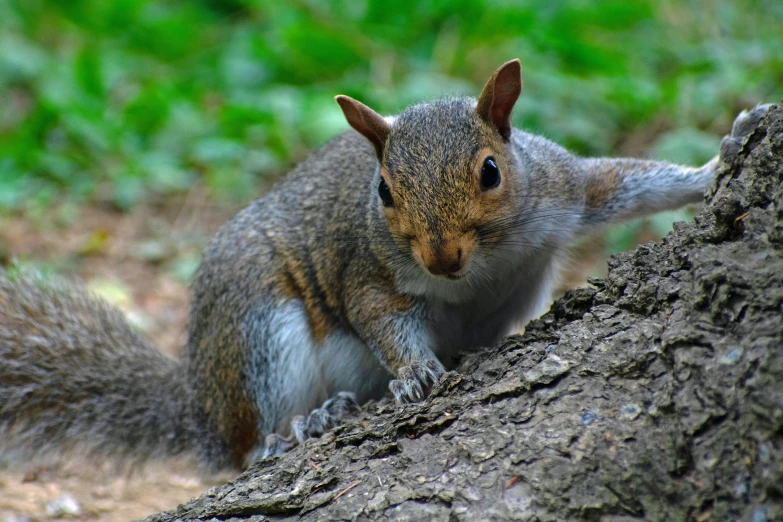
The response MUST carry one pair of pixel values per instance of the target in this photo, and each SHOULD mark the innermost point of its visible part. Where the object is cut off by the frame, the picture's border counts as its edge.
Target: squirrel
(371, 266)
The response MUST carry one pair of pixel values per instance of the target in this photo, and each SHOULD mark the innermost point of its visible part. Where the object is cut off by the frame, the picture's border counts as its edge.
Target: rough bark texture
(656, 395)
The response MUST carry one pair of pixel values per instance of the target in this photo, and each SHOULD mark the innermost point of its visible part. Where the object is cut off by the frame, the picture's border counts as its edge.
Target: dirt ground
(140, 261)
(99, 492)
(135, 260)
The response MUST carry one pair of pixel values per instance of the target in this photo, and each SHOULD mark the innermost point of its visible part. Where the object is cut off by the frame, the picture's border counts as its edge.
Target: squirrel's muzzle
(445, 257)
(446, 265)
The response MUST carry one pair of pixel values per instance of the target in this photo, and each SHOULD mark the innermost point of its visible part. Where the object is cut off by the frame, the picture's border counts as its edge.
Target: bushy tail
(75, 376)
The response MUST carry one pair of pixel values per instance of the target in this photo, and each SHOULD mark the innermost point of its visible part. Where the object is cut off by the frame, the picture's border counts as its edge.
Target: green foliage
(137, 99)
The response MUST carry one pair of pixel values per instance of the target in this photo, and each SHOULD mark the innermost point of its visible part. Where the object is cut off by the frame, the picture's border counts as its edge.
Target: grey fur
(75, 376)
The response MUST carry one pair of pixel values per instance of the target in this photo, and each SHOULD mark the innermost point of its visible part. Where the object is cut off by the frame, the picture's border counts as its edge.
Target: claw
(428, 372)
(747, 121)
(275, 445)
(299, 428)
(341, 405)
(415, 381)
(406, 390)
(743, 127)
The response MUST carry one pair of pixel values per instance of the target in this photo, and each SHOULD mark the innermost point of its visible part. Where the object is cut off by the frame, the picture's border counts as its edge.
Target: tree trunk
(656, 395)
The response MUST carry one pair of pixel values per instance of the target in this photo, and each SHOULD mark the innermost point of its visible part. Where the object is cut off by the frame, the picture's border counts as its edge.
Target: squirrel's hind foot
(274, 445)
(324, 418)
(319, 421)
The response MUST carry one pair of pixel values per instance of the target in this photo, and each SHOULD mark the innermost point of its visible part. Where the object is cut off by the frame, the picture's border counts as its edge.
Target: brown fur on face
(436, 186)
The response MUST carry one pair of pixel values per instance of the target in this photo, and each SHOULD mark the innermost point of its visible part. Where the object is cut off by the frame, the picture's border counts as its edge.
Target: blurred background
(131, 129)
(130, 100)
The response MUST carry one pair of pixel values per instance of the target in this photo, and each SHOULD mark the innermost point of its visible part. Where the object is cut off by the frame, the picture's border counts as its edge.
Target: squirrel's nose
(446, 264)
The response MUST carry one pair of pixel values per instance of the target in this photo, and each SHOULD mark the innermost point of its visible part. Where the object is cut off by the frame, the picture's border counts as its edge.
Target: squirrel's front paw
(415, 381)
(743, 126)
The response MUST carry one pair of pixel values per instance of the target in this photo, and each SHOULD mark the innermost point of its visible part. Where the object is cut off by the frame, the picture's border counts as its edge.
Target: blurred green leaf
(662, 223)
(184, 266)
(686, 146)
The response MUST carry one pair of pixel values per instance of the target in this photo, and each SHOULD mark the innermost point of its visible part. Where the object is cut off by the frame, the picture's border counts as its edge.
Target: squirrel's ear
(499, 96)
(366, 121)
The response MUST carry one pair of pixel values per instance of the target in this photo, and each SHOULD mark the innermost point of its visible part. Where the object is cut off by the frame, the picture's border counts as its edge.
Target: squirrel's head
(445, 171)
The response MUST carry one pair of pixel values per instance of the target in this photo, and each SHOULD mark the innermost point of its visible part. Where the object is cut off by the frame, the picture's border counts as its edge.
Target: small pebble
(741, 490)
(764, 453)
(630, 411)
(589, 418)
(760, 515)
(731, 357)
(65, 505)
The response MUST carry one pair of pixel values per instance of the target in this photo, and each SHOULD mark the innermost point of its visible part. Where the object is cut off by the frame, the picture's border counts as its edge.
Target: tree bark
(655, 395)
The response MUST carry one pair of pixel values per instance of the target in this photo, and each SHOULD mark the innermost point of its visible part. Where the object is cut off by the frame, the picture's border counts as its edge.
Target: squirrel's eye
(385, 194)
(490, 174)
